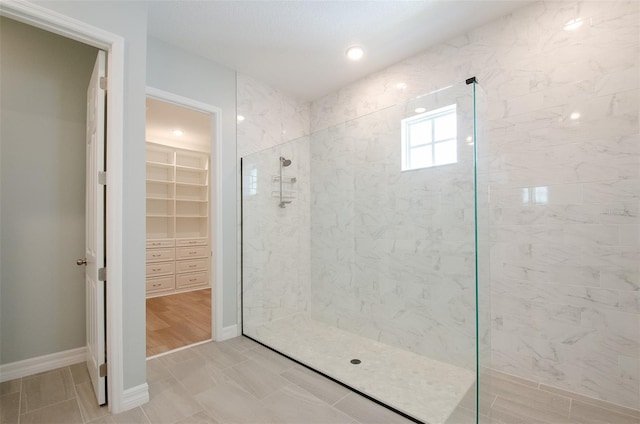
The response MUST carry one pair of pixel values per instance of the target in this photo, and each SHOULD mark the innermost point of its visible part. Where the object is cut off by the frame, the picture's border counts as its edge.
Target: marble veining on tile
(421, 387)
(562, 156)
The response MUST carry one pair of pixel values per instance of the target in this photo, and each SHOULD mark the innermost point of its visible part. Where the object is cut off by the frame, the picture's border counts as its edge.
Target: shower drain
(355, 361)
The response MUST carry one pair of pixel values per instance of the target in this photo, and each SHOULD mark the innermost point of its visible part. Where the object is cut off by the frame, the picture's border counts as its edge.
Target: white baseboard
(134, 397)
(229, 333)
(44, 363)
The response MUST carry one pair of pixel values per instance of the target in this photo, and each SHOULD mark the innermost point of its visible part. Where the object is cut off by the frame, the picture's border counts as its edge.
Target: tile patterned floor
(239, 381)
(506, 399)
(419, 386)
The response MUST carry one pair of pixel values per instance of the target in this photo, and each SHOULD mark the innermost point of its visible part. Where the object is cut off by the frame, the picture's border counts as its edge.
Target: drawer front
(195, 279)
(160, 268)
(191, 266)
(192, 242)
(158, 255)
(192, 252)
(155, 244)
(161, 283)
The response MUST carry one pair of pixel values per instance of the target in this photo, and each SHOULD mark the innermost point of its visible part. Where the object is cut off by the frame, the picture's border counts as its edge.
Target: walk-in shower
(371, 275)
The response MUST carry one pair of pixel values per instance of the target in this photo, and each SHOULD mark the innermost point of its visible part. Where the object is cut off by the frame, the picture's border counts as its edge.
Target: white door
(95, 229)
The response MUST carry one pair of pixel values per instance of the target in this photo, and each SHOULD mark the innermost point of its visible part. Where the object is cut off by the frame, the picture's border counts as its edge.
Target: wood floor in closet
(178, 320)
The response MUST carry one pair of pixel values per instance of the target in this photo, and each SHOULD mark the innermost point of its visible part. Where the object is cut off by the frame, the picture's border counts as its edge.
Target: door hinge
(102, 177)
(103, 370)
(102, 274)
(103, 83)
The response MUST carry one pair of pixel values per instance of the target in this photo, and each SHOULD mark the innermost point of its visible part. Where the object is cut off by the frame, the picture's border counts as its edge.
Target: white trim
(48, 20)
(229, 332)
(43, 363)
(215, 193)
(179, 349)
(57, 23)
(135, 396)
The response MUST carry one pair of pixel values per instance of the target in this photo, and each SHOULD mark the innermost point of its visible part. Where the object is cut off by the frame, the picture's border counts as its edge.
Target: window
(429, 139)
(251, 181)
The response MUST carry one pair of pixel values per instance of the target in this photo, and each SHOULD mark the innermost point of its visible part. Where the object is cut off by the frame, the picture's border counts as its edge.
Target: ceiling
(299, 46)
(164, 117)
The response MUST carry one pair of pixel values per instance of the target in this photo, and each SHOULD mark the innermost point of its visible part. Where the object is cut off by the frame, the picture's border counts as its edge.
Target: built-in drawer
(192, 252)
(192, 242)
(154, 244)
(195, 279)
(161, 283)
(192, 266)
(160, 268)
(158, 255)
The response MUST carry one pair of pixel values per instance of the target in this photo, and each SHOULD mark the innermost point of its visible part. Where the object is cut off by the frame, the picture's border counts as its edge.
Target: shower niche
(371, 273)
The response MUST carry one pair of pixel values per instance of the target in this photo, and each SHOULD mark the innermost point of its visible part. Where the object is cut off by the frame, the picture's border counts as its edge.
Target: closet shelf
(191, 168)
(190, 184)
(177, 220)
(160, 164)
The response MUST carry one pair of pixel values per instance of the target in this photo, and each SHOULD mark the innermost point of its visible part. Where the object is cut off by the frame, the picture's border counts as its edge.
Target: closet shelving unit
(178, 248)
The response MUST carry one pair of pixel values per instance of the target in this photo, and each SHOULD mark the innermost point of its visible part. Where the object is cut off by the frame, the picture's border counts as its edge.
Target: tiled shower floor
(420, 387)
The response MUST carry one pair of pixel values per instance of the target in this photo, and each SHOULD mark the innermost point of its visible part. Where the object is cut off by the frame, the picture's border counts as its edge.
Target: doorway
(51, 125)
(39, 17)
(180, 240)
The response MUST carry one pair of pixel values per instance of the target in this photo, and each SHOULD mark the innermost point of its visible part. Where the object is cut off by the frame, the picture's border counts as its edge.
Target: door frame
(114, 45)
(215, 195)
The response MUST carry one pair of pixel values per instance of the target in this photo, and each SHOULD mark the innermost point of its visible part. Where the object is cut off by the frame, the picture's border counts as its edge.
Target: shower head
(285, 162)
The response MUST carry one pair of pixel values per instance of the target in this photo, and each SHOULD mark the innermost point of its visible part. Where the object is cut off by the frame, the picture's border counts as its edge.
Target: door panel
(95, 246)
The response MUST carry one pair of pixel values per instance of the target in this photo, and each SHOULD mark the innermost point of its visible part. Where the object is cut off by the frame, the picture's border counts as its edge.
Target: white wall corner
(229, 333)
(134, 397)
(43, 363)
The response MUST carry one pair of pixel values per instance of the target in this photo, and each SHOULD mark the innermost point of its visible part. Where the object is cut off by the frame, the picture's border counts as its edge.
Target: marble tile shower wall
(271, 117)
(392, 252)
(276, 240)
(565, 186)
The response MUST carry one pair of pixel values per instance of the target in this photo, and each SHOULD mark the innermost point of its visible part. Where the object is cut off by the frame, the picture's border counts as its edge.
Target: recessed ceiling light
(401, 86)
(240, 118)
(355, 53)
(574, 116)
(573, 24)
(421, 110)
(178, 133)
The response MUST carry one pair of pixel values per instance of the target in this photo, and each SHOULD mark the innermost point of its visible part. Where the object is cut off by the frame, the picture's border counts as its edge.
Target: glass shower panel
(483, 396)
(368, 274)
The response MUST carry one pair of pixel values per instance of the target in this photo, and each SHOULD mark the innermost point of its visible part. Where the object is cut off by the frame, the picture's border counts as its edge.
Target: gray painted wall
(44, 80)
(128, 20)
(194, 77)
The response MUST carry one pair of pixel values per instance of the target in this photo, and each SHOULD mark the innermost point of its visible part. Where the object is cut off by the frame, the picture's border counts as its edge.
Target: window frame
(429, 116)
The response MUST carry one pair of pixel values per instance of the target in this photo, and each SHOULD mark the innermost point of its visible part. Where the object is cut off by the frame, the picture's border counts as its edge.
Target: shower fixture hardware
(283, 198)
(285, 180)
